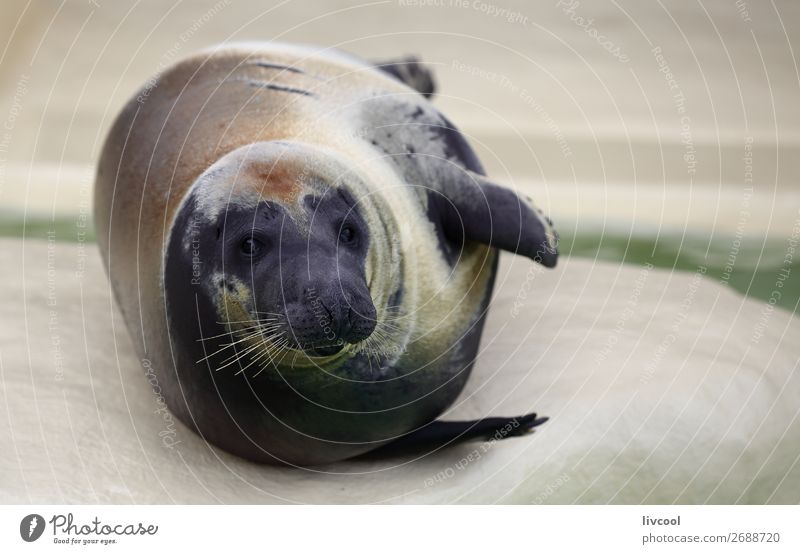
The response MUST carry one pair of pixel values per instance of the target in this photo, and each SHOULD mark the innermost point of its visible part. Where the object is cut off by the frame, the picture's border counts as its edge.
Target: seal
(303, 247)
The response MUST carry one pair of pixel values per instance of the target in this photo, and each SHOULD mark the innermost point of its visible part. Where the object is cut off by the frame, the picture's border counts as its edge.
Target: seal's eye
(252, 246)
(347, 235)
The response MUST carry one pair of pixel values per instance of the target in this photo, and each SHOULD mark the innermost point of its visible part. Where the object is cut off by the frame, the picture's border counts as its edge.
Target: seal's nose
(352, 318)
(329, 318)
(358, 323)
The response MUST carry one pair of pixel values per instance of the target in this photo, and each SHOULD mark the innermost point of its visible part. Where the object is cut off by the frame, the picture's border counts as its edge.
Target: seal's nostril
(360, 325)
(330, 318)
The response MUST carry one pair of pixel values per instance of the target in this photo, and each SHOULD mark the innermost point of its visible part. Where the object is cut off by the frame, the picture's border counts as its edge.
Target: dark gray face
(301, 277)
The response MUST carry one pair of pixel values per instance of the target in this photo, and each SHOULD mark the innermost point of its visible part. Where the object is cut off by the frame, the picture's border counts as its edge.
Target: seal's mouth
(324, 351)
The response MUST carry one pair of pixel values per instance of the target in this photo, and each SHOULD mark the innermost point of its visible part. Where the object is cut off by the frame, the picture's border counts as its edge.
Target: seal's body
(304, 249)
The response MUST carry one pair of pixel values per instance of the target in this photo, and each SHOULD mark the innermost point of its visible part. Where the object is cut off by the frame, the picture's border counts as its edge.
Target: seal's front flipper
(411, 71)
(446, 433)
(472, 207)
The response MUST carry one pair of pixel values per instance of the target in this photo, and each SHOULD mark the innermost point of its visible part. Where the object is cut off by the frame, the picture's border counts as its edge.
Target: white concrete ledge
(662, 387)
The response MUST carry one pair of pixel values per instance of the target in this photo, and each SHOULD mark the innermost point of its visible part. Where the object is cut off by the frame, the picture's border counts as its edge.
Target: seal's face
(306, 279)
(275, 250)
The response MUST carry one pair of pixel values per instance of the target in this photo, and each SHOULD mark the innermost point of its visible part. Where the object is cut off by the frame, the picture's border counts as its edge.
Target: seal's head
(271, 248)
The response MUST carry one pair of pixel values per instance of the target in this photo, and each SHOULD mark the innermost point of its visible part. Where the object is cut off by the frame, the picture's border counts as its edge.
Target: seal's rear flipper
(411, 71)
(447, 433)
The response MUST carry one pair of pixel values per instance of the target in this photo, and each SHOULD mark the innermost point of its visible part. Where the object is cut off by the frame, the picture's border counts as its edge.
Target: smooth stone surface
(662, 387)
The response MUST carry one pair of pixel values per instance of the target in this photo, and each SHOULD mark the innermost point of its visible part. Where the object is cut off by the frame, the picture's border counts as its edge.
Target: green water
(754, 265)
(64, 229)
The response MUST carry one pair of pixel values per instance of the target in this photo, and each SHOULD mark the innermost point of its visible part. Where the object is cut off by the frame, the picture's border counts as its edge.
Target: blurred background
(651, 132)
